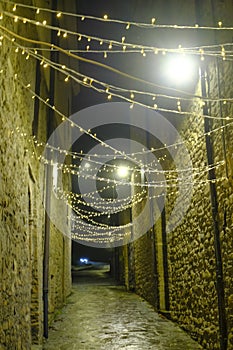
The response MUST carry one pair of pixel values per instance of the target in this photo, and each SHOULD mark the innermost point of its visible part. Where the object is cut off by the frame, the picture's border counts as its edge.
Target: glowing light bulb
(87, 165)
(180, 69)
(122, 171)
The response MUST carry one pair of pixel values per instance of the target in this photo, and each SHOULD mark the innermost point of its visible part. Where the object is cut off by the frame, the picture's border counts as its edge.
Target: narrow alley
(116, 175)
(101, 315)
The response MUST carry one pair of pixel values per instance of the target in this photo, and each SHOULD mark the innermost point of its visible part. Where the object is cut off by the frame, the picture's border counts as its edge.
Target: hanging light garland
(126, 24)
(112, 168)
(223, 48)
(90, 83)
(111, 91)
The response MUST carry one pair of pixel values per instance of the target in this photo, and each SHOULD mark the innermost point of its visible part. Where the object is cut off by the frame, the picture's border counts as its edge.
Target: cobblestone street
(101, 315)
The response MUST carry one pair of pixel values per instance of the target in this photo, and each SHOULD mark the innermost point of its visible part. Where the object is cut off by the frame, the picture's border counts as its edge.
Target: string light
(111, 93)
(197, 173)
(127, 23)
(214, 130)
(88, 215)
(129, 100)
(81, 152)
(142, 48)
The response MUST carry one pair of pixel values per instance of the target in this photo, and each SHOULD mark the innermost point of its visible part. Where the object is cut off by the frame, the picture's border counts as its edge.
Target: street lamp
(122, 171)
(180, 69)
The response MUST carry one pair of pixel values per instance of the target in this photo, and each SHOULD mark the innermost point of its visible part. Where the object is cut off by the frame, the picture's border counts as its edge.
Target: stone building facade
(24, 188)
(180, 272)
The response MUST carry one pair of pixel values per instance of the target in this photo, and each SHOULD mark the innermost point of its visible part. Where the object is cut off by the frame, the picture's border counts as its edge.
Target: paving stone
(104, 316)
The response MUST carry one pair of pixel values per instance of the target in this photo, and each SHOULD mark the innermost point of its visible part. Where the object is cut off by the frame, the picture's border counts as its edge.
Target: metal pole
(215, 217)
(53, 57)
(165, 260)
(214, 202)
(217, 60)
(46, 251)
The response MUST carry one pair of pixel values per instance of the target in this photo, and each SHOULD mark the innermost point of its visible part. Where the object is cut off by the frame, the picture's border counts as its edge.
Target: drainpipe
(214, 203)
(165, 261)
(215, 217)
(36, 100)
(53, 58)
(219, 90)
(154, 254)
(46, 250)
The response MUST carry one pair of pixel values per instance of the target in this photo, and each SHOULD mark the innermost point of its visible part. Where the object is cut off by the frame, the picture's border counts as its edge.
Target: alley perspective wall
(23, 192)
(187, 273)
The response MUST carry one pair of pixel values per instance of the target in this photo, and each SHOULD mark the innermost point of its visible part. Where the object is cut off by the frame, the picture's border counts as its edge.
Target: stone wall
(191, 246)
(191, 257)
(15, 239)
(22, 190)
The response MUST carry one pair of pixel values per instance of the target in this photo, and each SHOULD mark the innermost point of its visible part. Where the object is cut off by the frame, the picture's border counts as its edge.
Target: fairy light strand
(125, 47)
(81, 155)
(83, 216)
(127, 24)
(99, 64)
(127, 99)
